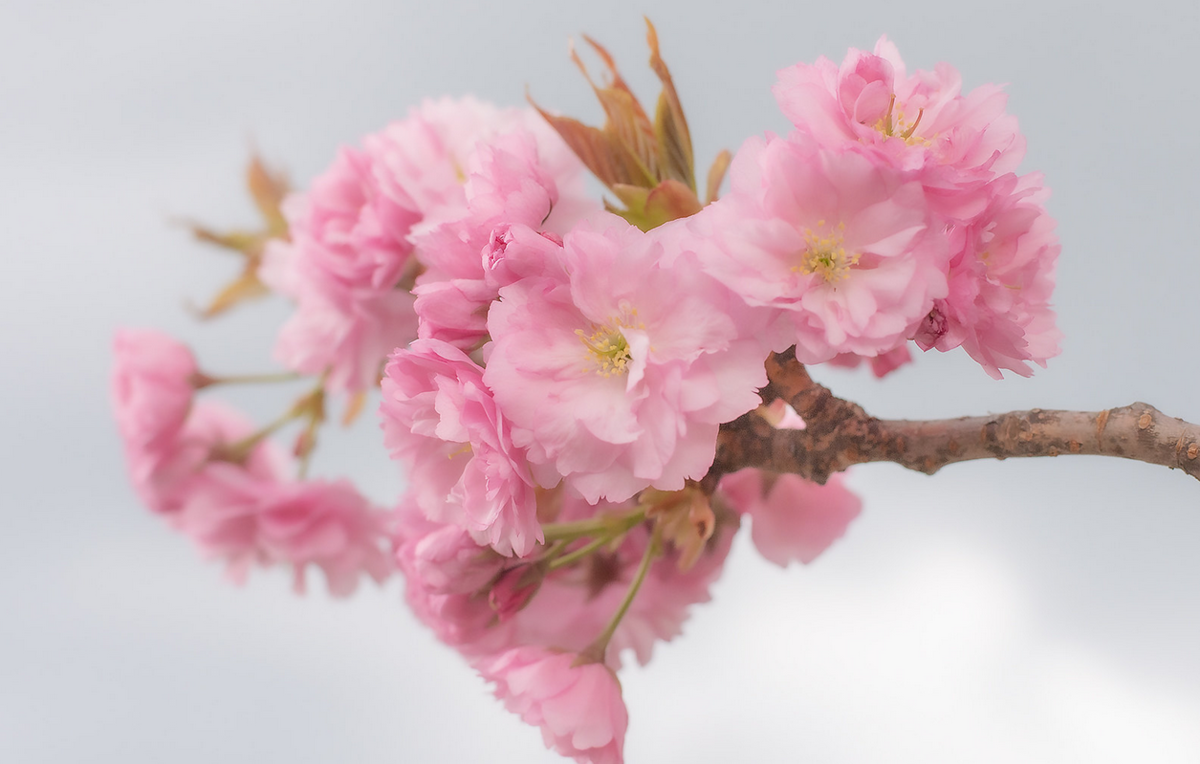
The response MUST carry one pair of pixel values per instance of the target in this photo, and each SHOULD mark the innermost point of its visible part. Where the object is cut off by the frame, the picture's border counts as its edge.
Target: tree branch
(839, 433)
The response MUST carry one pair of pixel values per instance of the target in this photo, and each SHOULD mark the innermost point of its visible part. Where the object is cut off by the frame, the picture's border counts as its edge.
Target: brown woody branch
(840, 433)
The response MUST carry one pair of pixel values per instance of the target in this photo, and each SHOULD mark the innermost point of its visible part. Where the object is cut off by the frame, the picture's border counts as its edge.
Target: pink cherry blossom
(1001, 280)
(349, 340)
(791, 518)
(243, 520)
(440, 416)
(347, 250)
(618, 372)
(838, 245)
(577, 706)
(512, 193)
(447, 576)
(211, 428)
(349, 260)
(425, 157)
(921, 122)
(152, 386)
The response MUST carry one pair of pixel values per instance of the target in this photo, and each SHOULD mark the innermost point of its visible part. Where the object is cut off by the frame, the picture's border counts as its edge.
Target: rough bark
(839, 433)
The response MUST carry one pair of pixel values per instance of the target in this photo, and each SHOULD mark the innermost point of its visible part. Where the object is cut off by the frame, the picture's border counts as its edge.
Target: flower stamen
(825, 254)
(607, 345)
(894, 125)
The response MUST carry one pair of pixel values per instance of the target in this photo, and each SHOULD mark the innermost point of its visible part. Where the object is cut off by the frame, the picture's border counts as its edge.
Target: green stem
(579, 553)
(594, 653)
(594, 526)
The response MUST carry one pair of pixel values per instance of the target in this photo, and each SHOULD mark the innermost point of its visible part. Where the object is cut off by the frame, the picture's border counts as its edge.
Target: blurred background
(1033, 611)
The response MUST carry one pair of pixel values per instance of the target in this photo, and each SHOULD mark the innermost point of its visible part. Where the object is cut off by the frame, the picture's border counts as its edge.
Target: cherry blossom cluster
(554, 371)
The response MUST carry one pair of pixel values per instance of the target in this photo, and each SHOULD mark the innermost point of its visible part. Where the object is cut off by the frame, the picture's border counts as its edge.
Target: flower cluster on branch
(589, 396)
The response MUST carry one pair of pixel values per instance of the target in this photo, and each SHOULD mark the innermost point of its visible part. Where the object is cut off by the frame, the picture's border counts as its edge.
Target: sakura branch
(589, 396)
(840, 434)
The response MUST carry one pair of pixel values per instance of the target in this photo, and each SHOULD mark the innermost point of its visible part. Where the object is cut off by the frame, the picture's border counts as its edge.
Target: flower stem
(201, 380)
(579, 553)
(606, 525)
(594, 653)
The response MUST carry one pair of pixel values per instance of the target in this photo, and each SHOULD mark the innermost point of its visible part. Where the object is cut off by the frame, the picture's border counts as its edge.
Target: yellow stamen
(894, 125)
(606, 344)
(825, 254)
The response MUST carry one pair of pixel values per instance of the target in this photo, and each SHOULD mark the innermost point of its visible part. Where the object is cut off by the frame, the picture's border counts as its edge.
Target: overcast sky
(1036, 611)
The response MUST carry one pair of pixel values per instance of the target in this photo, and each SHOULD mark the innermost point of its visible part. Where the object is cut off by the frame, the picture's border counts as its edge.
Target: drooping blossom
(171, 480)
(617, 373)
(440, 416)
(347, 251)
(350, 262)
(243, 520)
(921, 122)
(446, 579)
(791, 518)
(839, 247)
(204, 467)
(480, 602)
(1001, 280)
(152, 386)
(578, 706)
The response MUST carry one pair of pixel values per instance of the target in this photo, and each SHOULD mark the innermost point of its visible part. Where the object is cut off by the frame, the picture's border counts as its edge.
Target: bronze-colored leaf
(610, 161)
(674, 139)
(249, 243)
(268, 188)
(625, 120)
(716, 175)
(245, 287)
(617, 83)
(625, 127)
(354, 407)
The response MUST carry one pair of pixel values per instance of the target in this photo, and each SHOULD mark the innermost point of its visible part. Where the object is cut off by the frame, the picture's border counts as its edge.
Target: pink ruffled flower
(425, 157)
(792, 518)
(350, 259)
(512, 194)
(347, 251)
(617, 373)
(921, 122)
(842, 249)
(235, 516)
(578, 707)
(237, 504)
(350, 339)
(1001, 280)
(209, 429)
(446, 580)
(152, 387)
(440, 417)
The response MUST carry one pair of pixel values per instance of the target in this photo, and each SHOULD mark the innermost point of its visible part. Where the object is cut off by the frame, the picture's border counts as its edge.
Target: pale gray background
(1040, 611)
